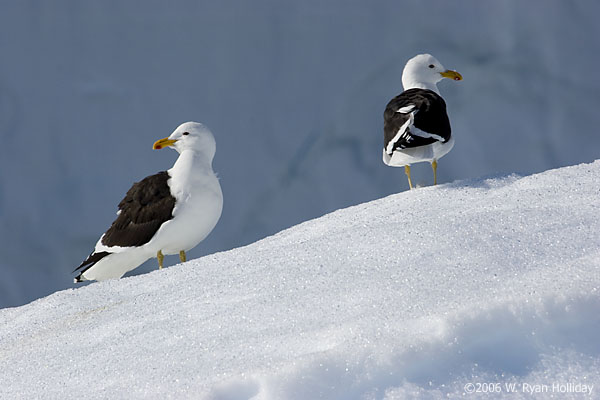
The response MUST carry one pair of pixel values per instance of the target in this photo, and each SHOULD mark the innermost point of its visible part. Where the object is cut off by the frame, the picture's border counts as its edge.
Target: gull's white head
(424, 71)
(190, 136)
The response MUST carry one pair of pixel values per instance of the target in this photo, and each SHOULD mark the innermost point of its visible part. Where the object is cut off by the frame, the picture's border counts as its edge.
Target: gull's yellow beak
(166, 142)
(451, 75)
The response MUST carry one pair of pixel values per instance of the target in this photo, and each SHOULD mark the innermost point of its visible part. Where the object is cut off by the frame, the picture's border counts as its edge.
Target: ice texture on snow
(409, 296)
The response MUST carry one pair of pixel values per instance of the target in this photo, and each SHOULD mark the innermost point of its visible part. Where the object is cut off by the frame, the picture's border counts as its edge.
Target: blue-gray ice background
(294, 92)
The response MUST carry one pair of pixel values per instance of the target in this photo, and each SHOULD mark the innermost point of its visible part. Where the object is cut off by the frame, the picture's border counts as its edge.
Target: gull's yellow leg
(182, 256)
(434, 167)
(407, 171)
(160, 257)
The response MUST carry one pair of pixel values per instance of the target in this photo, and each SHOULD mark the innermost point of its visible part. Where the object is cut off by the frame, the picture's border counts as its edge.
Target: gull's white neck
(190, 166)
(190, 158)
(410, 83)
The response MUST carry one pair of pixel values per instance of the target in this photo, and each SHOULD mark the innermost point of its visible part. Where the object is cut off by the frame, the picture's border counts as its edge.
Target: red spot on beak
(158, 147)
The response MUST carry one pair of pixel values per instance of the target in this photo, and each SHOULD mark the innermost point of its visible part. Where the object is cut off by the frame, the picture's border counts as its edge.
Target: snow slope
(410, 296)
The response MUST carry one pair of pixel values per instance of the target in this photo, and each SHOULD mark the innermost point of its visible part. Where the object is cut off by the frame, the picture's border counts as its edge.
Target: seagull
(166, 213)
(415, 123)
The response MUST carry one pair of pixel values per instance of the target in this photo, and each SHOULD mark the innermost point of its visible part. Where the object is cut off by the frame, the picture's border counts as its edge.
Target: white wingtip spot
(390, 146)
(406, 109)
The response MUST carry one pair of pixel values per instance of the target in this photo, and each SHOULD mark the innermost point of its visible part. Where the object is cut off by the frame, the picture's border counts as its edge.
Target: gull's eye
(185, 133)
(431, 66)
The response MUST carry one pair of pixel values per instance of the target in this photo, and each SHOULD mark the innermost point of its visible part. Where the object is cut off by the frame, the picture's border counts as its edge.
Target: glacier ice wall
(294, 92)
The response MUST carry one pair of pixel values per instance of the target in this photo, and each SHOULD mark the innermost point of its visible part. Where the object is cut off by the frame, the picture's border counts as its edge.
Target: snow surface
(294, 92)
(410, 296)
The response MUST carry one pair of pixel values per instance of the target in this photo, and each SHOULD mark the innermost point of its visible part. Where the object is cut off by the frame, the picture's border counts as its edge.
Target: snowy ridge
(410, 296)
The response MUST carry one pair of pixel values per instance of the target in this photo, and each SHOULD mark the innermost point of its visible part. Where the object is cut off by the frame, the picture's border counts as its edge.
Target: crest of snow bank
(414, 295)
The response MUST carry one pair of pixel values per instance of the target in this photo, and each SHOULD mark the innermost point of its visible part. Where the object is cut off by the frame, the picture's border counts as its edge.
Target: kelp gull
(416, 126)
(167, 213)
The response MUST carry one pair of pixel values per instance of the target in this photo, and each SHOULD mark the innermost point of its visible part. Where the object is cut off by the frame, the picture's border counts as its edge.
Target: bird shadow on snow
(492, 181)
(506, 342)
